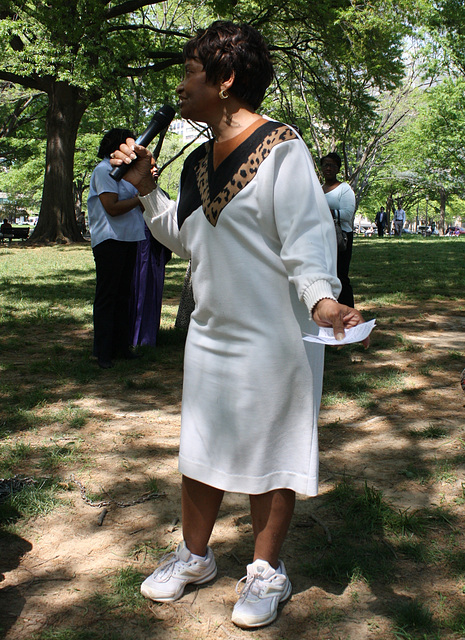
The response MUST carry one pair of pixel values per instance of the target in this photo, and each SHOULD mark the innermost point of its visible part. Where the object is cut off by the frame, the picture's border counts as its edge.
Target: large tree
(446, 20)
(74, 52)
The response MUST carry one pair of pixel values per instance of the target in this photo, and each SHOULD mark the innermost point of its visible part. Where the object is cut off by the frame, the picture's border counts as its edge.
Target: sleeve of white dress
(160, 217)
(347, 204)
(305, 225)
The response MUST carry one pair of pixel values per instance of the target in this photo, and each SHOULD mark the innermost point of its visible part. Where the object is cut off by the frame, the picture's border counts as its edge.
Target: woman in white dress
(252, 218)
(340, 199)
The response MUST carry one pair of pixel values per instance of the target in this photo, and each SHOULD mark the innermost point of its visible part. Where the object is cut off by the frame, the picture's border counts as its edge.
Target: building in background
(188, 132)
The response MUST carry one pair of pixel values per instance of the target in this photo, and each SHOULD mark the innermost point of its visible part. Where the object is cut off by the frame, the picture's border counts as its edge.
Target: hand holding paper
(353, 334)
(330, 314)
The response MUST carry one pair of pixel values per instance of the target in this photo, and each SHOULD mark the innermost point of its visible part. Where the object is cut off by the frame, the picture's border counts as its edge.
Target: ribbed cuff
(152, 200)
(315, 292)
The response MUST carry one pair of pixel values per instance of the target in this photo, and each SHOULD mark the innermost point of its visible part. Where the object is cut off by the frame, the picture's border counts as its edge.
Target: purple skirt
(147, 290)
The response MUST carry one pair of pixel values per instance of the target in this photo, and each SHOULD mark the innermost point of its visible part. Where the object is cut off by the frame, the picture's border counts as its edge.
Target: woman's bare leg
(271, 516)
(200, 506)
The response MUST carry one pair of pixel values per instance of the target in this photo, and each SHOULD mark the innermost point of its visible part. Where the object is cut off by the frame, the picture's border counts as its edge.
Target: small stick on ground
(101, 517)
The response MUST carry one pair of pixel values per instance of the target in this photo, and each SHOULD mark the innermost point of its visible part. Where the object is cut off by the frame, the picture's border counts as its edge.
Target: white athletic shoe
(176, 570)
(264, 589)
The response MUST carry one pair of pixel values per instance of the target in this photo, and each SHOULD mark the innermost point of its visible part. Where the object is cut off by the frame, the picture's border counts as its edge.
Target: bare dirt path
(60, 569)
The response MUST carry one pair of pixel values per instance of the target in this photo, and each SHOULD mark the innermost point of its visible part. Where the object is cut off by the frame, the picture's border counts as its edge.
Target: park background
(380, 82)
(379, 554)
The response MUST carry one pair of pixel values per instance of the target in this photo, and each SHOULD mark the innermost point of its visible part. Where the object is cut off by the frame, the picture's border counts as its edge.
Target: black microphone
(161, 120)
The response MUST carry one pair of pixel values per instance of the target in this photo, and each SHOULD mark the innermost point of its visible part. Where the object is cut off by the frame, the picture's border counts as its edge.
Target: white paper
(354, 334)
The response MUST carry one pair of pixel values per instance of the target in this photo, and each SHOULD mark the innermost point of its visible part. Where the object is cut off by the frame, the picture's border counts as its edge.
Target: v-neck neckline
(222, 150)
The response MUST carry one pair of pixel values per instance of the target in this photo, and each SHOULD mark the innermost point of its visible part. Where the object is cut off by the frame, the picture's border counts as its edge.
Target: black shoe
(105, 364)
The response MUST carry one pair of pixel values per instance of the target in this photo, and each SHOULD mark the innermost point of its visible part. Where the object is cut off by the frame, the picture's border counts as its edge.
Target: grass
(50, 385)
(123, 592)
(413, 615)
(418, 271)
(38, 499)
(432, 431)
(12, 455)
(373, 543)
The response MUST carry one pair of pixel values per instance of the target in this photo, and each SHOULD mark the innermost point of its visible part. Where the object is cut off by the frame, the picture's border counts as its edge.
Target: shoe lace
(254, 584)
(167, 566)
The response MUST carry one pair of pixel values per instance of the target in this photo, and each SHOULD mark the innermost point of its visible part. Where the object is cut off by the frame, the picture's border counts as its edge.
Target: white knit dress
(263, 250)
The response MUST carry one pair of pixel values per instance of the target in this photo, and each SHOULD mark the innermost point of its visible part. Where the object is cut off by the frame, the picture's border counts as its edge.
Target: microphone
(161, 120)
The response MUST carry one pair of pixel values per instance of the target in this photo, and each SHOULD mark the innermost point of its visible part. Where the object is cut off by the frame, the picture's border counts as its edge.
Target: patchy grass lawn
(378, 554)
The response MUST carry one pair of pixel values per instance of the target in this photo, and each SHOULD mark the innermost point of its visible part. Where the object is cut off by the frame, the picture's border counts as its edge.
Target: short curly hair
(335, 157)
(226, 48)
(112, 140)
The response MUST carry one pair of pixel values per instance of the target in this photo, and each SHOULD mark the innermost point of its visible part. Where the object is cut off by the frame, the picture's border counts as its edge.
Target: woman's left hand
(329, 313)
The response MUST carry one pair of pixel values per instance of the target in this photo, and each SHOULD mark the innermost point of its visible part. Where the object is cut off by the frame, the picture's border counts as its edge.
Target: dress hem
(302, 484)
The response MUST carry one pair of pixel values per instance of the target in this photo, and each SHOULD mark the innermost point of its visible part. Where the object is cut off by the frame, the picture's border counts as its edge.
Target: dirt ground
(53, 569)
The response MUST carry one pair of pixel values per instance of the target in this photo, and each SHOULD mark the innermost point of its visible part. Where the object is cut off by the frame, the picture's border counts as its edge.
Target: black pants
(380, 230)
(343, 262)
(114, 265)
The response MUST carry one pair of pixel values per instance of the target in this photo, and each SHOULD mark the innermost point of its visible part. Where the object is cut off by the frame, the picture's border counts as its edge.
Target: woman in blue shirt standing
(116, 226)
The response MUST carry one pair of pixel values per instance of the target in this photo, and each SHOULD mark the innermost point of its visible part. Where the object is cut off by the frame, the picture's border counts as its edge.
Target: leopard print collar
(218, 188)
(213, 190)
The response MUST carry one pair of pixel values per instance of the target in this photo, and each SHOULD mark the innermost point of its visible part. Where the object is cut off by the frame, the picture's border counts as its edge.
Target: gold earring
(223, 95)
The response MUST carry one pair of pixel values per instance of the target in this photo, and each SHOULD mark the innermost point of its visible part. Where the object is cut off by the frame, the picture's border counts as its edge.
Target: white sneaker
(264, 589)
(176, 570)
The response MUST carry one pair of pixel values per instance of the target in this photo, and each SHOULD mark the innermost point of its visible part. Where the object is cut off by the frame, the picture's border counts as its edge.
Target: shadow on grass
(39, 370)
(373, 544)
(12, 549)
(46, 361)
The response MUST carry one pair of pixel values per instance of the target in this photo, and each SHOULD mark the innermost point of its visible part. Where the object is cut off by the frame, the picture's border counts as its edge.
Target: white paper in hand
(354, 334)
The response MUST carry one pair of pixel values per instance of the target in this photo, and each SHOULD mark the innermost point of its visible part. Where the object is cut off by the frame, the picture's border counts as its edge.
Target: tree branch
(147, 27)
(128, 7)
(164, 64)
(11, 124)
(31, 82)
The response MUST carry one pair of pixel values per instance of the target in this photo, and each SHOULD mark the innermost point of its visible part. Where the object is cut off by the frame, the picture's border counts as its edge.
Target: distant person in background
(6, 230)
(399, 220)
(380, 221)
(340, 198)
(116, 226)
(81, 223)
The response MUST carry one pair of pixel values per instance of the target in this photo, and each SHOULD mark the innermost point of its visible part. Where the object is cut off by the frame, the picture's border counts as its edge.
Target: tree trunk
(57, 220)
(442, 210)
(78, 190)
(389, 207)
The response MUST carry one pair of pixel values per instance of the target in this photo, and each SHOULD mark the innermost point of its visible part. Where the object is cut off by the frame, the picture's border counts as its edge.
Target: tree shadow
(369, 381)
(12, 601)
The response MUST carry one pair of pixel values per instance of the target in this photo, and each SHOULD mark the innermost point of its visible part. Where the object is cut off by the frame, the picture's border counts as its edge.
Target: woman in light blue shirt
(116, 226)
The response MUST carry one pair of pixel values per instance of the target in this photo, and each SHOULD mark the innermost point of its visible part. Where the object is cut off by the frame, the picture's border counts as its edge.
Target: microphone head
(167, 111)
(160, 121)
(162, 118)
